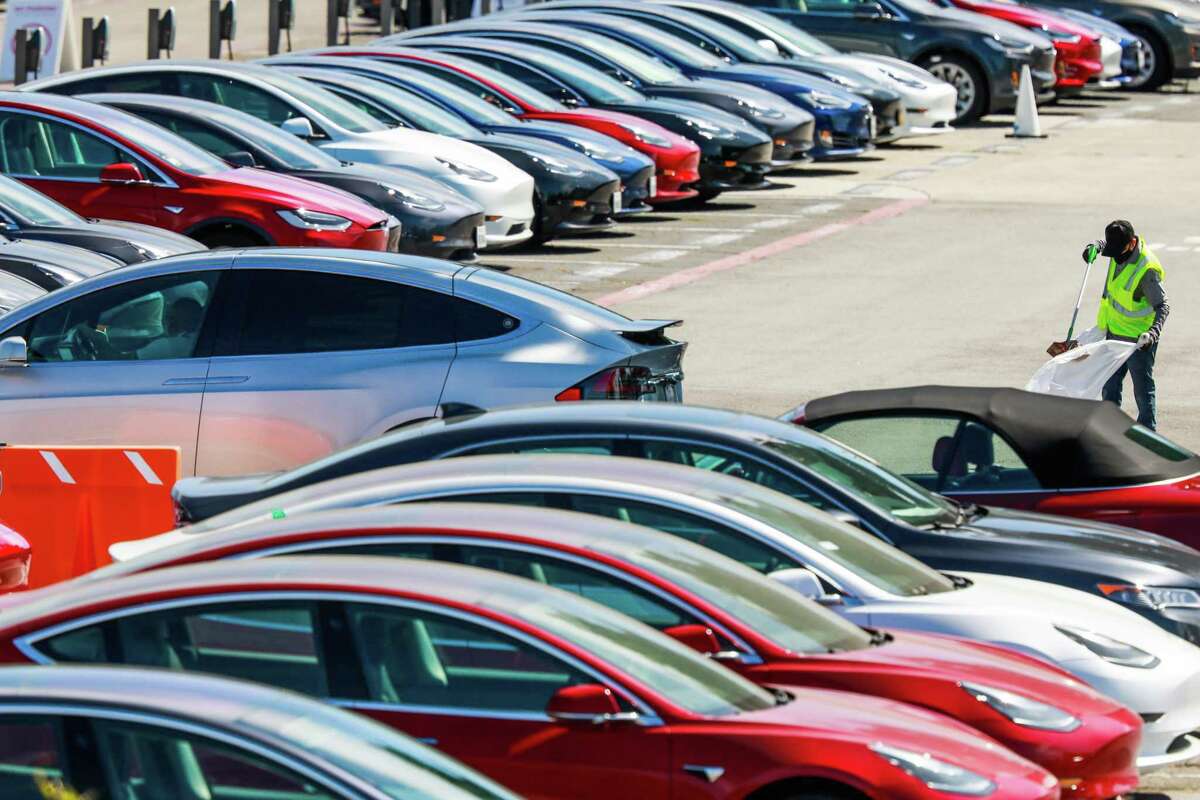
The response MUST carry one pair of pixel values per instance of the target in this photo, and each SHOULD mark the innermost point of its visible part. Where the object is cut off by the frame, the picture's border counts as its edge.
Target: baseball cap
(1117, 236)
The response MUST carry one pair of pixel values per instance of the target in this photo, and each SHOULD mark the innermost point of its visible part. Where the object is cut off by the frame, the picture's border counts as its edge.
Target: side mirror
(240, 158)
(847, 517)
(14, 560)
(587, 703)
(804, 581)
(299, 126)
(769, 45)
(698, 637)
(14, 351)
(870, 11)
(123, 173)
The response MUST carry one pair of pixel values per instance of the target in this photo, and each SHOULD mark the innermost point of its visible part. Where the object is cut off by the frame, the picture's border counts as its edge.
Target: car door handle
(184, 381)
(224, 379)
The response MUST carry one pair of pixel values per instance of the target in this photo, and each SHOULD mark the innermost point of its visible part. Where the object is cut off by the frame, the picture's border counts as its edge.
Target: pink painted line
(692, 274)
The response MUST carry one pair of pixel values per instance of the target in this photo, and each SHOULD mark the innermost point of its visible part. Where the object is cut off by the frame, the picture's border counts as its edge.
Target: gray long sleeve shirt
(1149, 287)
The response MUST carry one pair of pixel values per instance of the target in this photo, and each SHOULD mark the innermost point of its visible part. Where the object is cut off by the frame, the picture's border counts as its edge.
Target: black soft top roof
(1068, 443)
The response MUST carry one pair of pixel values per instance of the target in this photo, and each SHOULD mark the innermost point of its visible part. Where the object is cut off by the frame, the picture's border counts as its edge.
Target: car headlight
(649, 137)
(935, 773)
(826, 100)
(1111, 650)
(314, 220)
(414, 200)
(1060, 36)
(556, 165)
(467, 171)
(1150, 596)
(1023, 711)
(1186, 20)
(1010, 47)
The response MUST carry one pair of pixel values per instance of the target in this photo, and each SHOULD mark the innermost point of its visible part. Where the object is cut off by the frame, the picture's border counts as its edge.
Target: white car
(929, 102)
(1129, 658)
(334, 125)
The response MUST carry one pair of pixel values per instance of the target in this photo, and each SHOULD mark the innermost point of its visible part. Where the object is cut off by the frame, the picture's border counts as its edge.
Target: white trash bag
(1082, 372)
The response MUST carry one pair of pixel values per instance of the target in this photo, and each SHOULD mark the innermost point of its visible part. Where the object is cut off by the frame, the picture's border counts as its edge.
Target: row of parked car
(650, 598)
(556, 119)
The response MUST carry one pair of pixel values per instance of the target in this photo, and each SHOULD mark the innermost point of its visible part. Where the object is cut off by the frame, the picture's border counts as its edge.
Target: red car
(101, 162)
(1077, 48)
(1015, 449)
(14, 560)
(676, 159)
(543, 691)
(754, 625)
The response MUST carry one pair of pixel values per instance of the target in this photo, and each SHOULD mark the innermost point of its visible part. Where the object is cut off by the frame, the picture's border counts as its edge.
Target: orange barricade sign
(71, 503)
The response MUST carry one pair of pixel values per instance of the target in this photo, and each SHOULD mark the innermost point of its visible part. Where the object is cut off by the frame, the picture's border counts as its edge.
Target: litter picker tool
(1061, 347)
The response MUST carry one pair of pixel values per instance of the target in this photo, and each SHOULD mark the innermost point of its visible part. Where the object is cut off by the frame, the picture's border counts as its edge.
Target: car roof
(102, 116)
(1067, 442)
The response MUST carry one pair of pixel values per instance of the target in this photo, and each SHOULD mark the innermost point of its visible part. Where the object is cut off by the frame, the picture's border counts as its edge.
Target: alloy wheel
(962, 81)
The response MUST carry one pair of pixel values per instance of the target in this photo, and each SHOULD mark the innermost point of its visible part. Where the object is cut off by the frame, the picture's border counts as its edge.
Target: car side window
(474, 321)
(203, 136)
(831, 6)
(686, 34)
(729, 543)
(236, 94)
(278, 644)
(477, 89)
(31, 758)
(145, 761)
(417, 657)
(141, 82)
(38, 147)
(590, 59)
(296, 311)
(728, 462)
(531, 77)
(152, 319)
(590, 447)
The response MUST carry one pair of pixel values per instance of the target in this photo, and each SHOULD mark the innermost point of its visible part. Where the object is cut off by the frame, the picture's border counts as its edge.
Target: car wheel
(540, 233)
(966, 79)
(1154, 70)
(704, 195)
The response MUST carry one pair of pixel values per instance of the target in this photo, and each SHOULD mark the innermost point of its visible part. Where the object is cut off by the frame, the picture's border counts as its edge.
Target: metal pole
(272, 27)
(331, 22)
(152, 48)
(387, 16)
(87, 57)
(20, 68)
(214, 28)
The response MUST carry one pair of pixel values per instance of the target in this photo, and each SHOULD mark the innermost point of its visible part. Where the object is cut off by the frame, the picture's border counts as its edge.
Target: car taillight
(615, 383)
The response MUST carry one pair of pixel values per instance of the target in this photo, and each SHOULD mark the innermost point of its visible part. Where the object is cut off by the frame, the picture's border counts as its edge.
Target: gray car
(262, 359)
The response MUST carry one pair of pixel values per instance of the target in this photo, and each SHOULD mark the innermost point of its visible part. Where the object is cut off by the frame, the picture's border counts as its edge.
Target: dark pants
(1140, 367)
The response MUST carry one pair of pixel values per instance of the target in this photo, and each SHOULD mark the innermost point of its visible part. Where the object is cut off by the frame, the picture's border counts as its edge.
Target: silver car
(263, 359)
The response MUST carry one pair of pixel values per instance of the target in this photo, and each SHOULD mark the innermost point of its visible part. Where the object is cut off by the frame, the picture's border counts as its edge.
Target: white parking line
(633, 246)
(717, 239)
(1175, 248)
(601, 272)
(663, 255)
(771, 223)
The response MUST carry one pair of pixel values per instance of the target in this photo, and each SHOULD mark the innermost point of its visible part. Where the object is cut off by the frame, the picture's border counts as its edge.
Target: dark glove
(1058, 348)
(1091, 251)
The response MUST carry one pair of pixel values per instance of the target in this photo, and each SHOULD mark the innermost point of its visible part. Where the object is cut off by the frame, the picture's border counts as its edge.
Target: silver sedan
(263, 359)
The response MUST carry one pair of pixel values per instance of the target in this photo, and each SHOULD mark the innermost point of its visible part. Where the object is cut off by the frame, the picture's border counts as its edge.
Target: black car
(806, 465)
(49, 265)
(434, 219)
(733, 154)
(27, 214)
(572, 194)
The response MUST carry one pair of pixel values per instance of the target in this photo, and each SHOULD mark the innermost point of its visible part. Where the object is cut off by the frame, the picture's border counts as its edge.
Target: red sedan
(715, 605)
(677, 159)
(548, 693)
(101, 162)
(1014, 449)
(1077, 48)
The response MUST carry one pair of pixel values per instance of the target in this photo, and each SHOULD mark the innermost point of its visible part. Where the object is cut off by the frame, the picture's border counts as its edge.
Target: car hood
(158, 241)
(926, 656)
(979, 23)
(407, 179)
(60, 254)
(1028, 17)
(622, 118)
(289, 192)
(865, 720)
(781, 112)
(1124, 546)
(798, 81)
(1094, 23)
(421, 150)
(692, 108)
(574, 133)
(891, 71)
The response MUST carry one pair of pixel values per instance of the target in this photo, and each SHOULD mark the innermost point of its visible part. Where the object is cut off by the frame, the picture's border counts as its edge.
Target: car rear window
(1158, 444)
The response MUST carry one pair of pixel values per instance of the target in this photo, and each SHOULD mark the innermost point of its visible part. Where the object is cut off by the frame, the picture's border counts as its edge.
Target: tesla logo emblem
(710, 774)
(174, 209)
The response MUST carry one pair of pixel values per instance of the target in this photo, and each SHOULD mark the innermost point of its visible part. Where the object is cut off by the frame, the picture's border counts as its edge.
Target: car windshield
(866, 480)
(335, 109)
(32, 206)
(741, 46)
(390, 761)
(678, 51)
(416, 110)
(800, 41)
(643, 67)
(656, 661)
(591, 83)
(766, 606)
(292, 151)
(525, 94)
(471, 107)
(166, 146)
(856, 551)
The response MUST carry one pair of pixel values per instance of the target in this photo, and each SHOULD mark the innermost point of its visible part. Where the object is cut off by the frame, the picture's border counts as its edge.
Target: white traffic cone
(1026, 125)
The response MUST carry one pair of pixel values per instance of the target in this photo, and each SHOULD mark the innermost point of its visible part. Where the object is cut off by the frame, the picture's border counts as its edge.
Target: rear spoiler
(647, 331)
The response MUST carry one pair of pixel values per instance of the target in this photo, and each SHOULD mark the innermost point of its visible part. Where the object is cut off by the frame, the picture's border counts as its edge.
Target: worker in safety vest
(1133, 308)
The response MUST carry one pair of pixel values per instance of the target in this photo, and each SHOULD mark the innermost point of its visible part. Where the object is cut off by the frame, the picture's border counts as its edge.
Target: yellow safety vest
(1120, 314)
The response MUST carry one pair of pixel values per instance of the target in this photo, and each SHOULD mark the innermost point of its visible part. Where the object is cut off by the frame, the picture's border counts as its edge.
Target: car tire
(967, 79)
(705, 195)
(1158, 69)
(540, 234)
